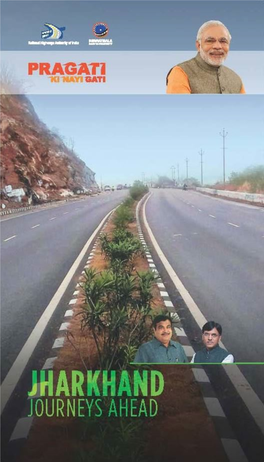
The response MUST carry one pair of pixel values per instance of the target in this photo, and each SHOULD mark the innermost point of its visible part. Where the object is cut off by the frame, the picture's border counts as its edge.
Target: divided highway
(37, 251)
(216, 247)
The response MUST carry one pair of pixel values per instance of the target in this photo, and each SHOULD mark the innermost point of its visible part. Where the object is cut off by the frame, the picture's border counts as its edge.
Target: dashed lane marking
(35, 226)
(212, 216)
(244, 389)
(13, 376)
(233, 450)
(214, 407)
(9, 238)
(233, 224)
(53, 218)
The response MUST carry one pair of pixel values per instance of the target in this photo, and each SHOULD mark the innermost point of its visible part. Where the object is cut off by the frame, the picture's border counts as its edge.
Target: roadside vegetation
(251, 177)
(117, 307)
(118, 313)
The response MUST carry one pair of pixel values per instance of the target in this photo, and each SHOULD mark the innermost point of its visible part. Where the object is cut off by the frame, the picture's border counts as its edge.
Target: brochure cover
(132, 262)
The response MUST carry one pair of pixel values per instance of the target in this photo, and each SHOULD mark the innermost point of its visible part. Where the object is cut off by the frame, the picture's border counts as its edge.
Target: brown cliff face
(35, 159)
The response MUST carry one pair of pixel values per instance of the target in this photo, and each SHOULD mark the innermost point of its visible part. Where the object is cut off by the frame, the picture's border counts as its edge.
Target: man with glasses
(205, 73)
(212, 352)
(161, 349)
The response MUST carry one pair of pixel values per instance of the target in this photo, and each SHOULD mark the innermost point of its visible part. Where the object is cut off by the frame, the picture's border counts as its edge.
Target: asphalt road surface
(38, 250)
(216, 248)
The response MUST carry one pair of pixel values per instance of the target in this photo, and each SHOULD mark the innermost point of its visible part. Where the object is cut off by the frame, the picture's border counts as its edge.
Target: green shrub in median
(118, 313)
(138, 190)
(121, 250)
(123, 216)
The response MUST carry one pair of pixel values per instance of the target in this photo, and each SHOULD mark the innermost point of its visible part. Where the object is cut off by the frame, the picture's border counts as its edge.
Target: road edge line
(14, 374)
(242, 386)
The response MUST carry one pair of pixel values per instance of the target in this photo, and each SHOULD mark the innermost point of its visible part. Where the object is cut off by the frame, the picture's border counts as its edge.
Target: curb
(231, 445)
(10, 211)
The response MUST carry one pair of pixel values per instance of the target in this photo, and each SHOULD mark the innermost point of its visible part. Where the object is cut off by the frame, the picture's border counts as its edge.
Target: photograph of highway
(73, 162)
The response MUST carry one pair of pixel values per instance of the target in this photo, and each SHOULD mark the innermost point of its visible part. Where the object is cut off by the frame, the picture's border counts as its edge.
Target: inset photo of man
(205, 72)
(161, 349)
(212, 352)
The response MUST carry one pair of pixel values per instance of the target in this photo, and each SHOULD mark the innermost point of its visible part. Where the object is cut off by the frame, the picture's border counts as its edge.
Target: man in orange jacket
(205, 73)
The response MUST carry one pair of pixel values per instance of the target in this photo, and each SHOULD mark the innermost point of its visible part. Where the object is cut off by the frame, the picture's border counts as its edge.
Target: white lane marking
(189, 351)
(54, 218)
(35, 226)
(64, 326)
(59, 342)
(212, 216)
(250, 398)
(176, 235)
(233, 450)
(214, 407)
(200, 375)
(49, 363)
(17, 369)
(199, 210)
(11, 237)
(180, 332)
(65, 213)
(168, 303)
(22, 428)
(68, 313)
(161, 285)
(76, 292)
(233, 224)
(193, 206)
(164, 294)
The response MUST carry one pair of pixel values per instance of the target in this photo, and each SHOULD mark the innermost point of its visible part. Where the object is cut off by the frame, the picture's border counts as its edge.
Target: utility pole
(224, 135)
(178, 168)
(201, 154)
(173, 174)
(187, 174)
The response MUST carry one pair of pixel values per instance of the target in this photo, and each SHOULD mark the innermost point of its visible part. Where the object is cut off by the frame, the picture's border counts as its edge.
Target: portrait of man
(161, 349)
(205, 72)
(212, 352)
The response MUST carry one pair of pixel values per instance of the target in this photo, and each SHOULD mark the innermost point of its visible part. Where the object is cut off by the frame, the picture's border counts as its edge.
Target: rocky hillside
(36, 165)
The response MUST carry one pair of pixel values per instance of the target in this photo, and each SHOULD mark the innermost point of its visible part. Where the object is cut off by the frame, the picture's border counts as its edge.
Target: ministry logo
(100, 29)
(53, 32)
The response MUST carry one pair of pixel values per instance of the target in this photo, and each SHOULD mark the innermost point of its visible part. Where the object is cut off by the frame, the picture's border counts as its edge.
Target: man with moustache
(212, 352)
(161, 349)
(205, 73)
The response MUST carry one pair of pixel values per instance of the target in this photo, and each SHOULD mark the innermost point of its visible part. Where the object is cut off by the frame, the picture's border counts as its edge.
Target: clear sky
(123, 138)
